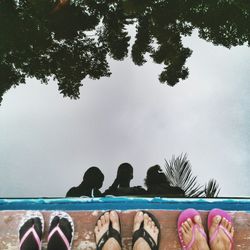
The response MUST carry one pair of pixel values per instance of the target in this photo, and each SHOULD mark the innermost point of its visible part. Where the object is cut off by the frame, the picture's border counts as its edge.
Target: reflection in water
(176, 181)
(91, 183)
(69, 40)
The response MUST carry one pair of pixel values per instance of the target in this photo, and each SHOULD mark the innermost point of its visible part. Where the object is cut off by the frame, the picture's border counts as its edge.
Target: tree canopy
(70, 40)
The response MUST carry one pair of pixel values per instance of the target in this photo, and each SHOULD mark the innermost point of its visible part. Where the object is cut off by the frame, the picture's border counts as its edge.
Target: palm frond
(179, 173)
(212, 189)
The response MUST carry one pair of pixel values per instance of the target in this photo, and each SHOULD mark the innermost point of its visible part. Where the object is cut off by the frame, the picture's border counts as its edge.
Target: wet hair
(155, 176)
(93, 177)
(125, 171)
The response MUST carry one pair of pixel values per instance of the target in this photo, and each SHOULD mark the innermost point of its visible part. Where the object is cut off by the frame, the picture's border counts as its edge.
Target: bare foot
(103, 226)
(221, 240)
(149, 226)
(200, 241)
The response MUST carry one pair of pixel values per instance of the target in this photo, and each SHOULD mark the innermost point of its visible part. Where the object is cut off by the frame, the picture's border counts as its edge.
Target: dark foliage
(179, 173)
(71, 40)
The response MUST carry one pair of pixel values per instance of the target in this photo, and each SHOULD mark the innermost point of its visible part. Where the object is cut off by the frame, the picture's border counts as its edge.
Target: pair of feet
(144, 223)
(107, 229)
(60, 236)
(146, 231)
(193, 237)
(191, 231)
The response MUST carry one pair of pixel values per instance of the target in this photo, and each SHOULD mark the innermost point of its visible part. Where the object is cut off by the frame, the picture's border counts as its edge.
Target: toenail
(197, 217)
(218, 218)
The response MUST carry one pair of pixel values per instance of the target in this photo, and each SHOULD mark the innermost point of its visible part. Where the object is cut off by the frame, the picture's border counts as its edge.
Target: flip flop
(110, 233)
(223, 214)
(31, 215)
(57, 229)
(142, 233)
(189, 213)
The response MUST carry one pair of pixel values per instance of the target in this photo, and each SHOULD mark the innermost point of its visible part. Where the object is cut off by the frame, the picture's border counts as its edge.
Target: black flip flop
(32, 223)
(142, 233)
(110, 233)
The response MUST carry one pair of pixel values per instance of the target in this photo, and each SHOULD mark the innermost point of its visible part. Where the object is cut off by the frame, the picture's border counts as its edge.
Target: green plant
(211, 189)
(179, 174)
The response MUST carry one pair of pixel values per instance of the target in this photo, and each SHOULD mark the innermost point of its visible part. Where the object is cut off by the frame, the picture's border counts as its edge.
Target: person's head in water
(93, 178)
(125, 174)
(155, 176)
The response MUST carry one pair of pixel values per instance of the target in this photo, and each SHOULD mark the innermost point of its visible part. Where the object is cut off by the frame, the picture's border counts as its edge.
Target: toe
(190, 223)
(183, 231)
(224, 222)
(146, 219)
(215, 223)
(96, 229)
(150, 224)
(229, 227)
(185, 226)
(103, 222)
(156, 230)
(99, 224)
(138, 220)
(198, 221)
(114, 218)
(232, 231)
(106, 218)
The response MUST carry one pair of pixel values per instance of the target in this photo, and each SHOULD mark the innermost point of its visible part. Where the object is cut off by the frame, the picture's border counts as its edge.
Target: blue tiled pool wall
(123, 203)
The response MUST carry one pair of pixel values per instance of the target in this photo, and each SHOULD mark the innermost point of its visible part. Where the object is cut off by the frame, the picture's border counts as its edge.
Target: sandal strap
(190, 244)
(116, 235)
(142, 233)
(202, 232)
(35, 235)
(111, 233)
(226, 233)
(62, 235)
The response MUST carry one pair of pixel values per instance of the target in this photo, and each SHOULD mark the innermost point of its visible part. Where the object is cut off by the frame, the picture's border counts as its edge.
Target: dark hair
(93, 177)
(124, 168)
(155, 176)
(124, 174)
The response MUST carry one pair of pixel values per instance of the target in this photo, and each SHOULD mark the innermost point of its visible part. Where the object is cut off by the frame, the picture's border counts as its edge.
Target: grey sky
(47, 141)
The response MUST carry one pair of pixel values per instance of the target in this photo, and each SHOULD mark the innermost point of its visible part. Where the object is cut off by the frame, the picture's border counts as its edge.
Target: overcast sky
(47, 142)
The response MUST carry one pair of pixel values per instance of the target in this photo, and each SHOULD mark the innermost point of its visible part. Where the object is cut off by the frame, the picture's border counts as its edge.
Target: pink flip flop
(189, 213)
(223, 214)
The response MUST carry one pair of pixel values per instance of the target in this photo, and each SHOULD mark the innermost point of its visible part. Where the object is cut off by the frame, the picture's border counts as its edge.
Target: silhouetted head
(125, 173)
(155, 176)
(93, 178)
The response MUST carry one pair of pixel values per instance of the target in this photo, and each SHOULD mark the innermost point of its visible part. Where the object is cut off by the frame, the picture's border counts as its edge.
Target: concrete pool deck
(85, 212)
